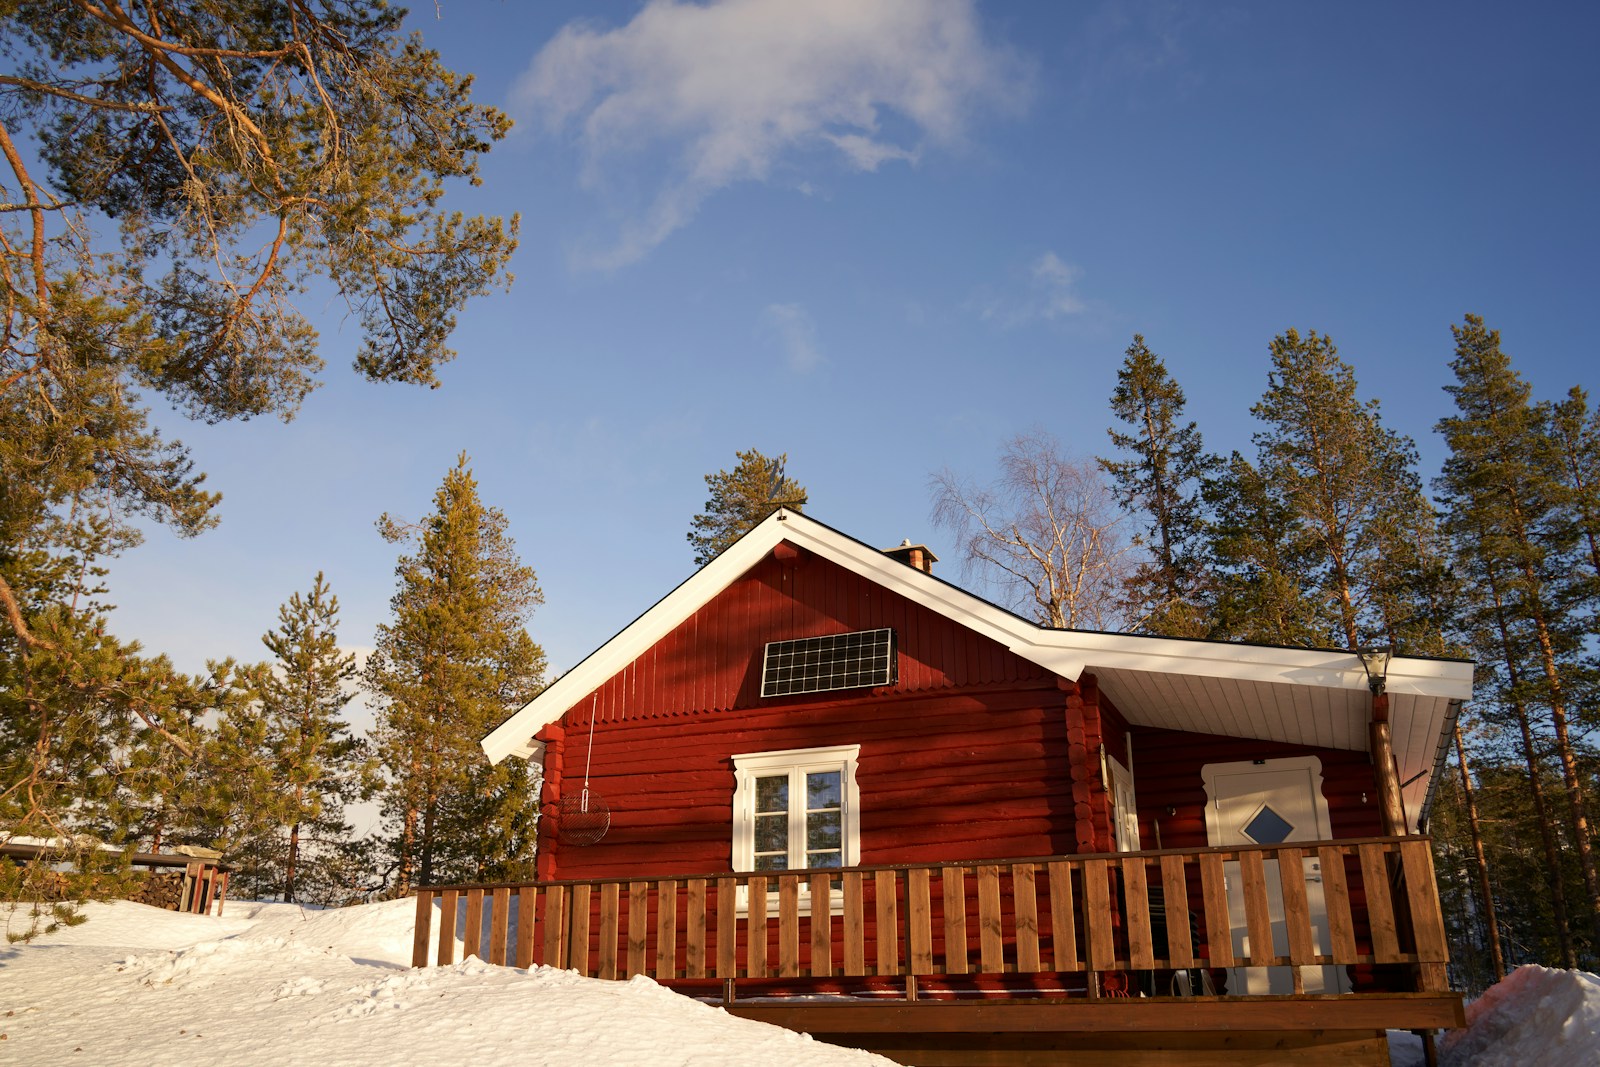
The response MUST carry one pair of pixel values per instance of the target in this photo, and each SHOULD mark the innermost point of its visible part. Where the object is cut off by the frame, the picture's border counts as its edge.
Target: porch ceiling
(1322, 717)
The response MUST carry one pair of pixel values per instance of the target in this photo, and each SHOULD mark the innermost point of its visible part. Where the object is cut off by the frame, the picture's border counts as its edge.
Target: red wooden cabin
(992, 809)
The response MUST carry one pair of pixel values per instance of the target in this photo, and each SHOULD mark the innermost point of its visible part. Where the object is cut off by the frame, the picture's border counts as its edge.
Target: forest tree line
(1326, 535)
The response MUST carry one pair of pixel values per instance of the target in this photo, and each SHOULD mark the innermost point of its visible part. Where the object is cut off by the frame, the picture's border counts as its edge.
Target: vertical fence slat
(991, 935)
(473, 942)
(527, 915)
(1427, 923)
(1025, 906)
(1136, 899)
(1336, 894)
(1063, 918)
(757, 932)
(1097, 915)
(1296, 907)
(419, 937)
(578, 930)
(638, 926)
(666, 929)
(888, 924)
(788, 926)
(1175, 899)
(1214, 891)
(555, 899)
(499, 924)
(821, 926)
(727, 929)
(1380, 910)
(953, 884)
(1257, 915)
(855, 933)
(447, 927)
(919, 921)
(610, 901)
(695, 936)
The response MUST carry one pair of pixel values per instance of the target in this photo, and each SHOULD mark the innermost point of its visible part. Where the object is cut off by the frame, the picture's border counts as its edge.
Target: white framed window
(798, 808)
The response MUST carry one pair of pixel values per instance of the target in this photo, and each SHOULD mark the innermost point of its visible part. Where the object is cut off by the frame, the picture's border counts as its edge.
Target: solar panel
(822, 664)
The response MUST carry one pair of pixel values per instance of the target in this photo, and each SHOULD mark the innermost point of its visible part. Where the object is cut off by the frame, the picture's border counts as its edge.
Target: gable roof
(1306, 696)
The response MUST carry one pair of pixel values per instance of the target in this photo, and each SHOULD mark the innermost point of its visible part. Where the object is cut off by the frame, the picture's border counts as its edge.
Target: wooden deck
(1045, 950)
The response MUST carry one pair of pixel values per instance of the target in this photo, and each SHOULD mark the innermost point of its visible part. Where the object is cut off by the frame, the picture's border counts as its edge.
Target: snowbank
(276, 984)
(1532, 1016)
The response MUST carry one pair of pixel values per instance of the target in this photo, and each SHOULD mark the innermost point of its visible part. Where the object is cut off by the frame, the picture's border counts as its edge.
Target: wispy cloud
(796, 334)
(1047, 290)
(732, 88)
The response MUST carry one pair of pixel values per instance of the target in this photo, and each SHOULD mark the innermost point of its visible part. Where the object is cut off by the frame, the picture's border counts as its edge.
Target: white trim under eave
(1067, 653)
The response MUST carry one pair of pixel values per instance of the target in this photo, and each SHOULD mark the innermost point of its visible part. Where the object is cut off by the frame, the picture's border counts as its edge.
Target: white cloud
(796, 334)
(1048, 292)
(732, 88)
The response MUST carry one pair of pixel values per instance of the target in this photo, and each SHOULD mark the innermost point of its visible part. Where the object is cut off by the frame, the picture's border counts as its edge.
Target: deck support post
(727, 990)
(911, 987)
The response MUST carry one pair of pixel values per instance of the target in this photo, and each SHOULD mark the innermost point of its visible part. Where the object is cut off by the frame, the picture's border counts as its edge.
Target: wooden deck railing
(1097, 915)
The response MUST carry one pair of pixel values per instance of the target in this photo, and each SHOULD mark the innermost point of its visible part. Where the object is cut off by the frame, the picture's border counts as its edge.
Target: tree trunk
(1474, 830)
(1552, 854)
(289, 864)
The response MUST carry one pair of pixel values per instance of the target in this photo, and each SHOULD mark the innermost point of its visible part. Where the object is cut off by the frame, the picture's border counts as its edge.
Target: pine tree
(454, 660)
(174, 174)
(1161, 481)
(1512, 534)
(1350, 481)
(316, 762)
(739, 500)
(1259, 561)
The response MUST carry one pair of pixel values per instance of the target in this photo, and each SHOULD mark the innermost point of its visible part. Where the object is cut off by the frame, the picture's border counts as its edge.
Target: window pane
(824, 859)
(772, 833)
(822, 789)
(772, 794)
(773, 863)
(822, 830)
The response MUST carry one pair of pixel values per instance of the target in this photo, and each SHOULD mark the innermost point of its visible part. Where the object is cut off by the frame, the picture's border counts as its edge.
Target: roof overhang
(1302, 696)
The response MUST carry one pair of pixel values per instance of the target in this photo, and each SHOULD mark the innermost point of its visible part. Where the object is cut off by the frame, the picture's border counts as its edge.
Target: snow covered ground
(276, 984)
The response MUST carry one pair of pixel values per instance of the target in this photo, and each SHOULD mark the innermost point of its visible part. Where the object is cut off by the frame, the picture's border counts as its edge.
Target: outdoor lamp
(1375, 661)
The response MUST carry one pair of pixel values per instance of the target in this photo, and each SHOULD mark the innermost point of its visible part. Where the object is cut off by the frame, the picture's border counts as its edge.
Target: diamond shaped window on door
(1268, 827)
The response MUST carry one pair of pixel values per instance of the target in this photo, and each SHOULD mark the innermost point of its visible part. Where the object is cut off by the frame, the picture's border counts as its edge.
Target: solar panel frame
(856, 660)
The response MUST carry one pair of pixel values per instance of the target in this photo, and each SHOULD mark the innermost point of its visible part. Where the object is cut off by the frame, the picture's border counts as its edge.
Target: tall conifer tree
(1513, 534)
(315, 760)
(1350, 481)
(740, 499)
(1161, 480)
(453, 661)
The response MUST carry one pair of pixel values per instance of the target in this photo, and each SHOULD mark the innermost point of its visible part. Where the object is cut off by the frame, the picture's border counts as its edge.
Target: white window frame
(749, 766)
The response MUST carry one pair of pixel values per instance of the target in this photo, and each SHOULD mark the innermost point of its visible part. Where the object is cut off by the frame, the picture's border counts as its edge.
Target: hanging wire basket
(581, 820)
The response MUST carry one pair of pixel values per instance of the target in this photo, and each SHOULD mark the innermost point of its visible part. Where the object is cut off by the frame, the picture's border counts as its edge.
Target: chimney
(912, 555)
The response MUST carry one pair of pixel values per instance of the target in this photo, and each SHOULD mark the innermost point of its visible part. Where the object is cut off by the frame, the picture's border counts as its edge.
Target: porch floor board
(1119, 1032)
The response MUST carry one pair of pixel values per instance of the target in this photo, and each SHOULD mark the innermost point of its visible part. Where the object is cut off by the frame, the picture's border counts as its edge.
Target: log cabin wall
(974, 753)
(978, 775)
(1168, 777)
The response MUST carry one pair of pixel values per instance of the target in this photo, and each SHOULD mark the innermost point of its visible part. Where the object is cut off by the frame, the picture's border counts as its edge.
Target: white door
(1271, 802)
(1124, 811)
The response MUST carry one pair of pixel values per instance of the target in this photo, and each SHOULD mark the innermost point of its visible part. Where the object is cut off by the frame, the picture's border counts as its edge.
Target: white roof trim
(1211, 686)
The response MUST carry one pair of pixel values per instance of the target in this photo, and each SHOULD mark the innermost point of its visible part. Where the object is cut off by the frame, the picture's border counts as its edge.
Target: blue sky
(884, 238)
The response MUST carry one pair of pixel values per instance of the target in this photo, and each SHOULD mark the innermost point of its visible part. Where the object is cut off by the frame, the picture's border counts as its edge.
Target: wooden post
(1388, 779)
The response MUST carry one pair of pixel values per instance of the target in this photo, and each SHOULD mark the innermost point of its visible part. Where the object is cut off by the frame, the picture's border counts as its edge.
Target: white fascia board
(515, 735)
(1065, 652)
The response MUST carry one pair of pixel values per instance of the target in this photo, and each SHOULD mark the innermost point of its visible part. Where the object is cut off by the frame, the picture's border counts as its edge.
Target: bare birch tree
(1046, 534)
